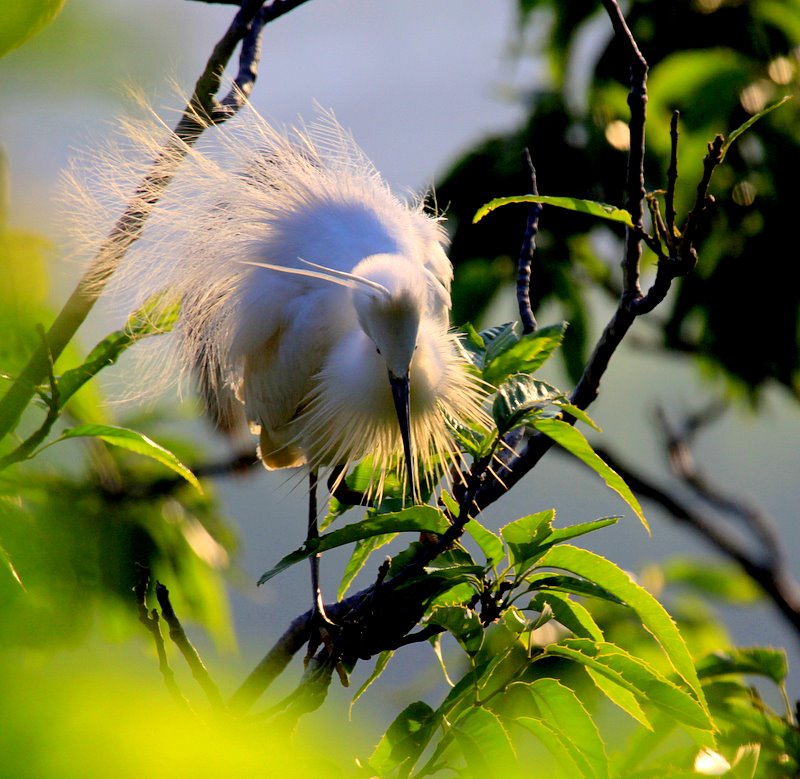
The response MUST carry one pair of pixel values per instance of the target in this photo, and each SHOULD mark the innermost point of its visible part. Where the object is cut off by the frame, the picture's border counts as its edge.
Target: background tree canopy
(718, 63)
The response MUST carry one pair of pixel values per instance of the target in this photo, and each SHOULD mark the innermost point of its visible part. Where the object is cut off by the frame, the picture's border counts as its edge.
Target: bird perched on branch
(314, 302)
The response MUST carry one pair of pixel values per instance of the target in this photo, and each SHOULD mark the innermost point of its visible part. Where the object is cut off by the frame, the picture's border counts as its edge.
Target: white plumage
(310, 293)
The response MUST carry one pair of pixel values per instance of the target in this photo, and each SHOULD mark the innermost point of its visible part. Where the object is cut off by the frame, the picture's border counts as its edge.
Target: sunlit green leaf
(557, 744)
(485, 745)
(422, 519)
(134, 442)
(750, 122)
(621, 697)
(636, 676)
(576, 444)
(525, 355)
(361, 552)
(572, 615)
(569, 584)
(652, 614)
(151, 319)
(525, 537)
(561, 709)
(591, 207)
(488, 542)
(22, 19)
(578, 413)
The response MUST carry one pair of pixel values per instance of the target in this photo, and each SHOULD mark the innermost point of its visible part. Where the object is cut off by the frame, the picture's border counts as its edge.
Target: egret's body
(315, 303)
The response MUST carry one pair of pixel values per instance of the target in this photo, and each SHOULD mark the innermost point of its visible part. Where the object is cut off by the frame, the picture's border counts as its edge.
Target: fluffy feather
(302, 278)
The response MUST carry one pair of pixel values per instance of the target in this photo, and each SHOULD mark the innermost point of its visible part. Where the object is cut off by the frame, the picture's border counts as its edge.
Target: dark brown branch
(635, 191)
(672, 174)
(151, 621)
(772, 576)
(190, 654)
(526, 257)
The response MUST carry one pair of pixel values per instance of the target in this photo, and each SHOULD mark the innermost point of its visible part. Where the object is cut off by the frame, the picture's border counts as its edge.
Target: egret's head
(391, 319)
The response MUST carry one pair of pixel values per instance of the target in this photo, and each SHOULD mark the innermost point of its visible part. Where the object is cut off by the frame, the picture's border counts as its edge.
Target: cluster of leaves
(536, 669)
(74, 529)
(719, 63)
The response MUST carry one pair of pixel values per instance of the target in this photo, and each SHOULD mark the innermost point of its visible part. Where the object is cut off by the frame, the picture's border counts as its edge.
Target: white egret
(314, 302)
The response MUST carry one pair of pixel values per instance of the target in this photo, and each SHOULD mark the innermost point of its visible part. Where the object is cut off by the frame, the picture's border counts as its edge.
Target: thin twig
(672, 173)
(151, 621)
(526, 256)
(190, 654)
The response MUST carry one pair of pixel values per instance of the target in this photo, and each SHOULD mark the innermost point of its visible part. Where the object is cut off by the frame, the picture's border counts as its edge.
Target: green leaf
(518, 398)
(576, 444)
(134, 442)
(422, 519)
(621, 697)
(560, 534)
(485, 744)
(488, 542)
(529, 537)
(463, 623)
(572, 615)
(762, 661)
(591, 207)
(361, 552)
(498, 339)
(652, 614)
(525, 537)
(524, 356)
(569, 584)
(562, 710)
(405, 738)
(151, 319)
(578, 413)
(637, 677)
(750, 122)
(557, 744)
(380, 664)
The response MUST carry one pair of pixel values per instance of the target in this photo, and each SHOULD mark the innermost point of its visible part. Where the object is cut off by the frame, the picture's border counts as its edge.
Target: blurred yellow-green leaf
(22, 19)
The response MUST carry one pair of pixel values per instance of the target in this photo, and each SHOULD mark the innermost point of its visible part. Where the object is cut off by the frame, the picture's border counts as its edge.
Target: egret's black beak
(401, 392)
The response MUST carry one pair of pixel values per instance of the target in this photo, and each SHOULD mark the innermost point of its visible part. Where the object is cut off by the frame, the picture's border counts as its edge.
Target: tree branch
(526, 257)
(770, 574)
(190, 654)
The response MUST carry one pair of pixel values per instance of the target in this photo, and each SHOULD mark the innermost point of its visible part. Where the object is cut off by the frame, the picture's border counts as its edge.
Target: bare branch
(190, 654)
(771, 575)
(151, 621)
(526, 257)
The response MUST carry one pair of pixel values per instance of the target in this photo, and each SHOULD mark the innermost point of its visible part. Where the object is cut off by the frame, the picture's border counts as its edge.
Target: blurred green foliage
(718, 62)
(22, 19)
